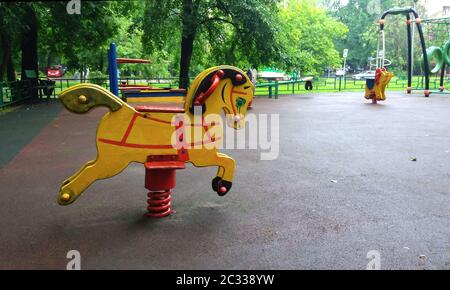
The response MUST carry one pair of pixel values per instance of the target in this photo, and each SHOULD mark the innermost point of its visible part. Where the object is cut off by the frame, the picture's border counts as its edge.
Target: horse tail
(82, 98)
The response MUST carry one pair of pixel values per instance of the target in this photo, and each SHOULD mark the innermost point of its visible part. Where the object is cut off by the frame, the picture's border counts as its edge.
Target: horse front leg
(223, 182)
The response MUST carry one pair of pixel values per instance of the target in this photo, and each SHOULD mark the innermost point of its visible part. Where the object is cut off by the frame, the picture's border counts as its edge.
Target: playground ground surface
(351, 177)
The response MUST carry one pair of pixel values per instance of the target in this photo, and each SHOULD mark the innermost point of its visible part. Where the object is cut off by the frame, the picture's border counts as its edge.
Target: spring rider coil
(160, 180)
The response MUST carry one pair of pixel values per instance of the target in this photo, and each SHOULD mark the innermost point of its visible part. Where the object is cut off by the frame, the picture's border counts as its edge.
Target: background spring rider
(155, 135)
(375, 89)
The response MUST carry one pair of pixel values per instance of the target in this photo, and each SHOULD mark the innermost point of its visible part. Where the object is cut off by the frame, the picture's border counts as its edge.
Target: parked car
(340, 73)
(56, 71)
(364, 75)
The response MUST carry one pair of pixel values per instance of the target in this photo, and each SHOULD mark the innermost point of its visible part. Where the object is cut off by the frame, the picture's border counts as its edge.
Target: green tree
(11, 28)
(307, 38)
(129, 40)
(226, 30)
(82, 38)
(361, 38)
(47, 27)
(361, 18)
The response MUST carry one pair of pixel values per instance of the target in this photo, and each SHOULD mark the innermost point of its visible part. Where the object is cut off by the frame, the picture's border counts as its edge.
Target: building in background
(437, 8)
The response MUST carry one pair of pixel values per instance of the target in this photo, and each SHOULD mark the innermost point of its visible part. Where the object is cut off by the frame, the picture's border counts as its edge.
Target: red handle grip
(200, 100)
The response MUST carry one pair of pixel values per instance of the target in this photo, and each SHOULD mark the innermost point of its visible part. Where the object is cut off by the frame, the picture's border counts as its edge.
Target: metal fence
(63, 83)
(339, 84)
(348, 83)
(13, 92)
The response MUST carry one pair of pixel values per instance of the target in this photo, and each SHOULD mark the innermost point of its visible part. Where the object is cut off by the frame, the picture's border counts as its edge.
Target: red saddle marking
(131, 60)
(137, 89)
(161, 108)
(159, 165)
(134, 85)
(178, 91)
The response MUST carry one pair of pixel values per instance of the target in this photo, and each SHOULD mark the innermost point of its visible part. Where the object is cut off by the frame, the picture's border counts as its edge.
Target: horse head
(222, 88)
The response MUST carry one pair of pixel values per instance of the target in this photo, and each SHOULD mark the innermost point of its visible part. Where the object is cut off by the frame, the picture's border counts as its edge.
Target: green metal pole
(276, 89)
(1, 94)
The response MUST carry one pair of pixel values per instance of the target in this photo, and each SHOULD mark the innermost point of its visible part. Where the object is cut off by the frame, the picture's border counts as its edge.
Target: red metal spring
(159, 203)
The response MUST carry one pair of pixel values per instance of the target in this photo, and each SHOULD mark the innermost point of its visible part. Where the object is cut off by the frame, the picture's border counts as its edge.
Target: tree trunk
(101, 62)
(4, 55)
(30, 49)
(10, 71)
(82, 74)
(6, 64)
(49, 60)
(187, 42)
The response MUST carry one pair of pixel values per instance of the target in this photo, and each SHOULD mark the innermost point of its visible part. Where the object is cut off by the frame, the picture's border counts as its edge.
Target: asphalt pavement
(350, 178)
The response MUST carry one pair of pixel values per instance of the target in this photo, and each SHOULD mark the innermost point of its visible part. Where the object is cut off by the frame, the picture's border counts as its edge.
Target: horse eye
(240, 102)
(247, 87)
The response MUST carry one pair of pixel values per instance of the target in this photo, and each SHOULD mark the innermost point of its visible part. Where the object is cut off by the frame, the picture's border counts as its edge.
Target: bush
(97, 77)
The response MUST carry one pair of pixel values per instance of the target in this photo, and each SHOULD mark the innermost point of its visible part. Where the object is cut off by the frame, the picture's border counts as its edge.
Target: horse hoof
(221, 186)
(215, 183)
(222, 191)
(66, 197)
(224, 188)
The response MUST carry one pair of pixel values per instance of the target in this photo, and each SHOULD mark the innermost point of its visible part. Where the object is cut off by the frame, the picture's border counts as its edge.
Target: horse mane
(204, 81)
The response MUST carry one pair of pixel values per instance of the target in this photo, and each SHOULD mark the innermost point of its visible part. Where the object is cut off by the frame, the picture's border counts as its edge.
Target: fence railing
(13, 92)
(347, 84)
(63, 83)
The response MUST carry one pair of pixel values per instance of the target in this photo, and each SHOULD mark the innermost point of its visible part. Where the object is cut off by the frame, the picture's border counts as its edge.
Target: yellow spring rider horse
(376, 88)
(126, 134)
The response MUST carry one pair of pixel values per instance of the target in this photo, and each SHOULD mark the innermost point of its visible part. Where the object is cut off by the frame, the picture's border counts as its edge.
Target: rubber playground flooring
(350, 178)
(18, 126)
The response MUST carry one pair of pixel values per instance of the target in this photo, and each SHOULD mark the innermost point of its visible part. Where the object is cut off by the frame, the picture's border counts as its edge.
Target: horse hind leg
(102, 168)
(68, 180)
